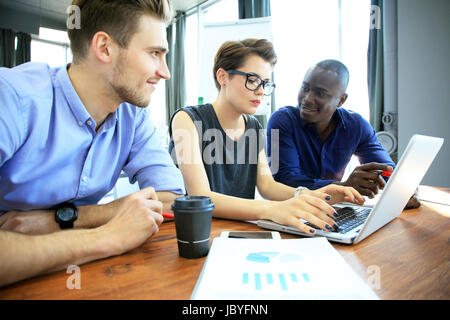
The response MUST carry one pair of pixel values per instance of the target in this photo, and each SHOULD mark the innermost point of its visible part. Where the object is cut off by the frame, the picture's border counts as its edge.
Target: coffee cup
(193, 215)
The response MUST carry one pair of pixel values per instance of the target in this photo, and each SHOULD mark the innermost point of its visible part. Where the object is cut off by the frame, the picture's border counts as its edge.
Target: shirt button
(80, 123)
(89, 122)
(85, 178)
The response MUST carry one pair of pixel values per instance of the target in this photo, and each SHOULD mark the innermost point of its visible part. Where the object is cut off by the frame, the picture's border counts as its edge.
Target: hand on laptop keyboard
(348, 219)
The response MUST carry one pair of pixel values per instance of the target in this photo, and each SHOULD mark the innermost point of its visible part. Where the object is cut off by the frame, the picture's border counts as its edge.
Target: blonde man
(68, 132)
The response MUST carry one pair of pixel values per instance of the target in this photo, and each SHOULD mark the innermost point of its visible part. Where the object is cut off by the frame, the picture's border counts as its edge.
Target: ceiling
(184, 5)
(55, 10)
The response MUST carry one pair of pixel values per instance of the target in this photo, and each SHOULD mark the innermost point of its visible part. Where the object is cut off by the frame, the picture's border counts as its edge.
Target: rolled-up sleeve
(149, 163)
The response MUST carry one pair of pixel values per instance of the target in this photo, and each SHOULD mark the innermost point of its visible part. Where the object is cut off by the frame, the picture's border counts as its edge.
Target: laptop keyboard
(348, 219)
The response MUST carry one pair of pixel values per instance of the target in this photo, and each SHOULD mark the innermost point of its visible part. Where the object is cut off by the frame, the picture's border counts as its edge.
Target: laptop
(358, 222)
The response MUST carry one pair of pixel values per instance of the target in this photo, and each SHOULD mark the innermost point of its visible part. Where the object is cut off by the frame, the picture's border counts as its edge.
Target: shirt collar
(338, 117)
(82, 116)
(300, 120)
(73, 100)
(110, 120)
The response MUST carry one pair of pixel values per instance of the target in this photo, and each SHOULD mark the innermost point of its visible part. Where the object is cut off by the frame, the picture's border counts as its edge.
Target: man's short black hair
(338, 67)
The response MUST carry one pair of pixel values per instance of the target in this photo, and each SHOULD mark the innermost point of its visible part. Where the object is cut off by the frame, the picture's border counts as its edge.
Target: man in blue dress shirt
(66, 135)
(318, 138)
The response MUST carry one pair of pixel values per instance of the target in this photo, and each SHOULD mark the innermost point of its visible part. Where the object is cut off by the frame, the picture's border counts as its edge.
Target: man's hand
(138, 218)
(366, 178)
(43, 221)
(413, 202)
(34, 222)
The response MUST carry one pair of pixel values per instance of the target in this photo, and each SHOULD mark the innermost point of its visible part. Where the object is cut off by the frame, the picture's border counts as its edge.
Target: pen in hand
(168, 215)
(386, 174)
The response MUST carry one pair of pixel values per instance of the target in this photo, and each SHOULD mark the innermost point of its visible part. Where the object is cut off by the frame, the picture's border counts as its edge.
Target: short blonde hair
(118, 18)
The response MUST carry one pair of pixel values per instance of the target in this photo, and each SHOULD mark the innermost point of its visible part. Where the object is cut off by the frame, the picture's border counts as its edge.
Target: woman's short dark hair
(233, 54)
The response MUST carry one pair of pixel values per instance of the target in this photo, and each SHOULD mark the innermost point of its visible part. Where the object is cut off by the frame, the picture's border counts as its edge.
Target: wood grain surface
(411, 256)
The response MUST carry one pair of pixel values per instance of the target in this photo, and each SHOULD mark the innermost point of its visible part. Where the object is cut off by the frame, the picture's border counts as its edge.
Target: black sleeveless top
(231, 166)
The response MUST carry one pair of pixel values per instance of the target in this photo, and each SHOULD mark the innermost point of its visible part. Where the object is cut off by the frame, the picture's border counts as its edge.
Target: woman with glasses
(219, 147)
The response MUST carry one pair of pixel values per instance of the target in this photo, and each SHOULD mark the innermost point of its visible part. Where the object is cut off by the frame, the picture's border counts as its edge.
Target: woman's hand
(334, 193)
(304, 206)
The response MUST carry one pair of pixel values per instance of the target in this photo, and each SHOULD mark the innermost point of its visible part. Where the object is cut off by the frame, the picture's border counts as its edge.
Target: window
(191, 58)
(306, 32)
(212, 11)
(158, 111)
(51, 47)
(311, 31)
(223, 10)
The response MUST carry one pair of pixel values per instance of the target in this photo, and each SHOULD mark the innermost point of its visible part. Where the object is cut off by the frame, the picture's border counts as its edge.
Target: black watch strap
(65, 215)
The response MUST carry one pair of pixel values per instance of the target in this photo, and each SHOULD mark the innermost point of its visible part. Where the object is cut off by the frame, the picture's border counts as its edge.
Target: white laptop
(357, 222)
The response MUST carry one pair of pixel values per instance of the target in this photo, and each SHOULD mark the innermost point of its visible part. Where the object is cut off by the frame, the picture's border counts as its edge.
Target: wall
(18, 21)
(27, 22)
(424, 79)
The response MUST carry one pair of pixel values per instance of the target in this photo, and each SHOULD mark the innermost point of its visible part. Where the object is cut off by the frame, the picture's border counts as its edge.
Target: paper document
(257, 269)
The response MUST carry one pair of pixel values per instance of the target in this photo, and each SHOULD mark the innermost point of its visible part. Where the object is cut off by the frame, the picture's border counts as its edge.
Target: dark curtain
(249, 9)
(23, 51)
(176, 86)
(9, 55)
(254, 9)
(375, 66)
(179, 70)
(170, 95)
(7, 38)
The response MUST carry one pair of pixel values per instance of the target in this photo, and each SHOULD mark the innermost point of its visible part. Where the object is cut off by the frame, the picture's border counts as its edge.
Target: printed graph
(268, 280)
(268, 257)
(284, 281)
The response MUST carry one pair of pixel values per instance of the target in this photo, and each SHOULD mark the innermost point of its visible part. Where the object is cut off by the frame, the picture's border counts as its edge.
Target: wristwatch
(298, 190)
(65, 214)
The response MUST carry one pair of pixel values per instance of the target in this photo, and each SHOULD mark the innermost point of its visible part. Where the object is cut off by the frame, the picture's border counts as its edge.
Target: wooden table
(412, 254)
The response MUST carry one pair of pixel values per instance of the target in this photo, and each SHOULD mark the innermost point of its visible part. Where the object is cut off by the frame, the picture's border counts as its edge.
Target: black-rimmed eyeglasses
(253, 82)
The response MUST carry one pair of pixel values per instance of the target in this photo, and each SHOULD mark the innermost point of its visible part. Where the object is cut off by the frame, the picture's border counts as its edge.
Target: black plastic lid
(193, 202)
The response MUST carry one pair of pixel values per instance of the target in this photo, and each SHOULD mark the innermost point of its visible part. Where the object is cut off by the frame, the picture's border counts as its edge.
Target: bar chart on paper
(270, 281)
(277, 269)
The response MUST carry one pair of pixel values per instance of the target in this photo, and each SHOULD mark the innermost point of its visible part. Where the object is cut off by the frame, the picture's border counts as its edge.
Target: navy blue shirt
(302, 158)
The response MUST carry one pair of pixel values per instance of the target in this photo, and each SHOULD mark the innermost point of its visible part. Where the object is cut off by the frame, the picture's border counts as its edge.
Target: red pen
(386, 174)
(168, 215)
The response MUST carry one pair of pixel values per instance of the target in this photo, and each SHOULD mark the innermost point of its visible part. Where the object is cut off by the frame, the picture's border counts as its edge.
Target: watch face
(65, 214)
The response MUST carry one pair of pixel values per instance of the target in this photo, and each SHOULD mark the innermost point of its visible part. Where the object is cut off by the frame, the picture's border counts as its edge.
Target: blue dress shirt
(305, 161)
(50, 152)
